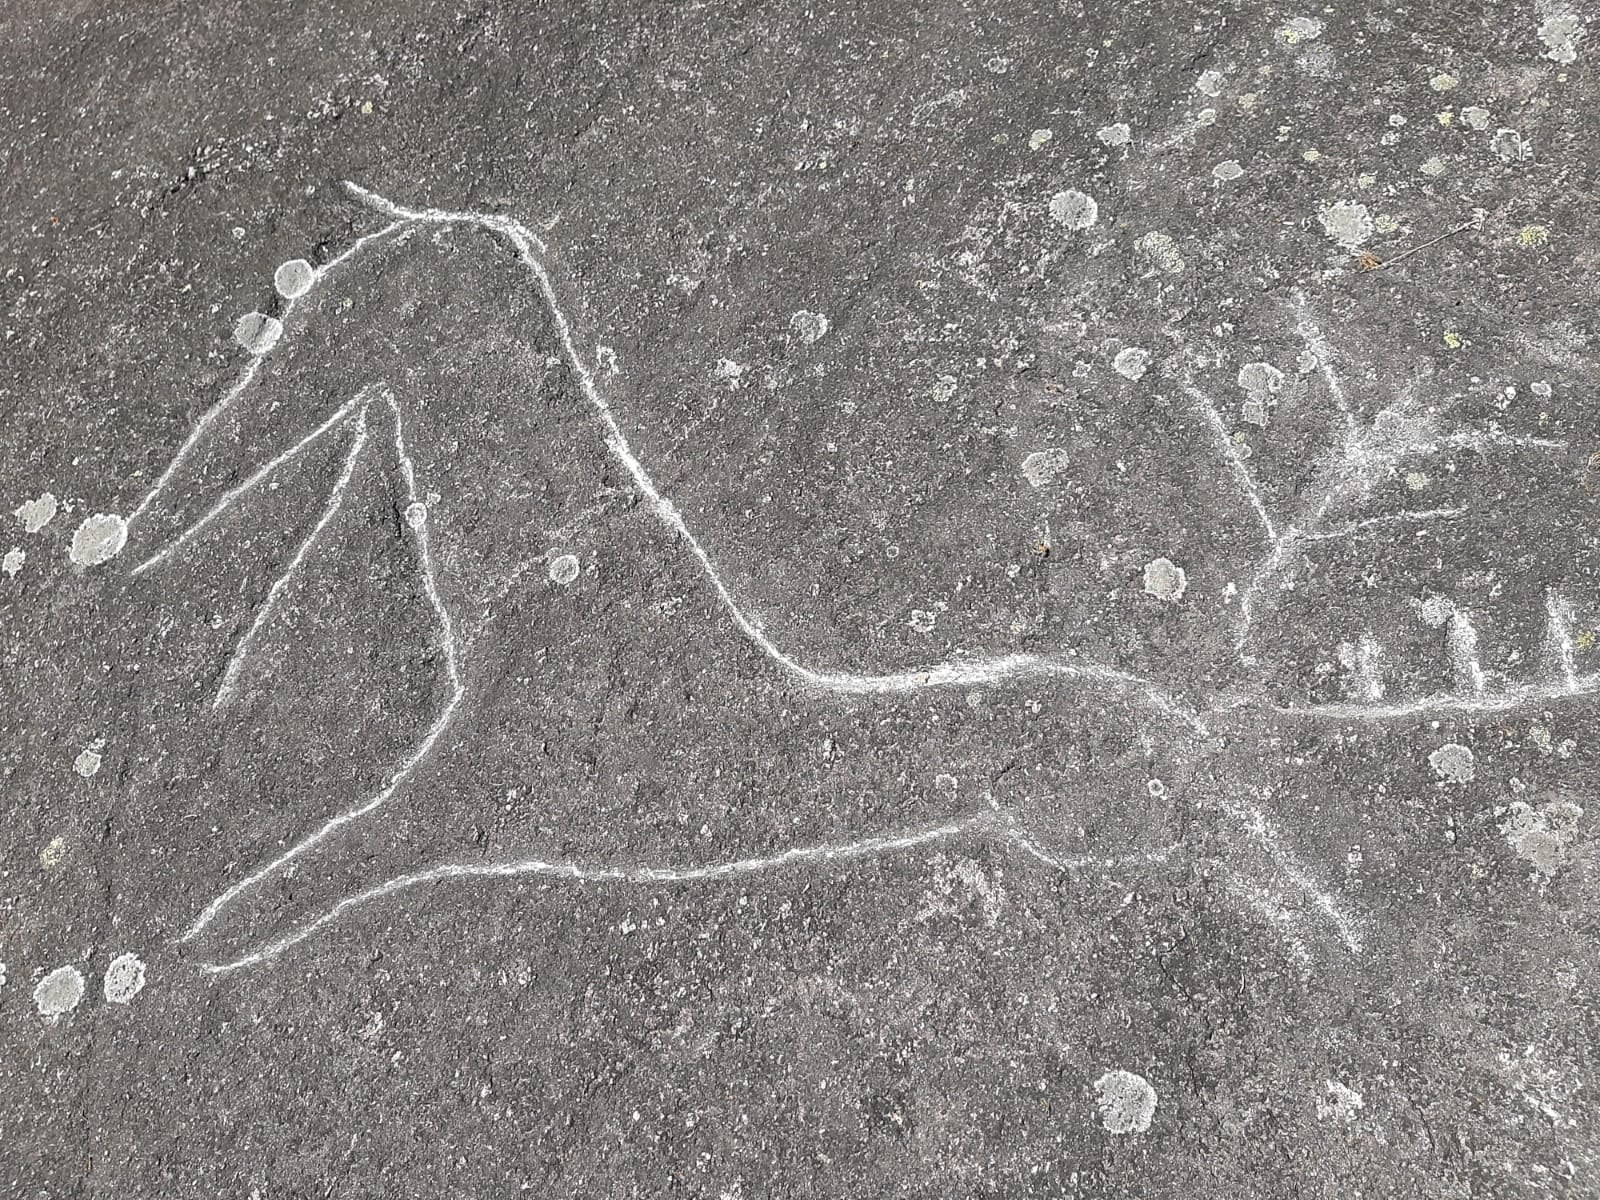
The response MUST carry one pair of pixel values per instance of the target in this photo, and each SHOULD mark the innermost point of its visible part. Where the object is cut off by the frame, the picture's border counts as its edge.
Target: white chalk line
(422, 749)
(1255, 823)
(1230, 453)
(1461, 643)
(247, 376)
(1558, 636)
(260, 475)
(1442, 704)
(226, 691)
(1316, 343)
(1369, 668)
(1365, 453)
(419, 526)
(1270, 566)
(975, 672)
(1286, 922)
(1084, 862)
(986, 824)
(993, 670)
(825, 853)
(956, 673)
(1400, 518)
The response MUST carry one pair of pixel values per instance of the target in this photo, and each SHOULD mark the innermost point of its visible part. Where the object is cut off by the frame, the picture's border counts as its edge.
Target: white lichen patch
(1131, 362)
(98, 538)
(1443, 82)
(563, 569)
(12, 563)
(1435, 609)
(730, 372)
(1509, 146)
(1126, 1101)
(1341, 1103)
(1347, 223)
(809, 327)
(1209, 83)
(1160, 251)
(1300, 29)
(87, 764)
(1541, 836)
(1165, 580)
(124, 979)
(58, 993)
(36, 514)
(1261, 383)
(1318, 61)
(1074, 209)
(1227, 171)
(257, 333)
(960, 886)
(1453, 763)
(1044, 466)
(1118, 134)
(1040, 138)
(1560, 34)
(294, 278)
(1476, 118)
(922, 621)
(1433, 167)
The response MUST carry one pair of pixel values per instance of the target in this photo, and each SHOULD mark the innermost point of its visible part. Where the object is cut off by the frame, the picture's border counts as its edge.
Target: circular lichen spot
(1043, 466)
(58, 993)
(98, 538)
(1453, 763)
(1126, 1101)
(1346, 222)
(1165, 580)
(256, 332)
(1261, 382)
(36, 514)
(564, 569)
(294, 278)
(1435, 610)
(809, 327)
(124, 979)
(1300, 29)
(1260, 377)
(87, 764)
(1160, 251)
(1074, 209)
(1131, 362)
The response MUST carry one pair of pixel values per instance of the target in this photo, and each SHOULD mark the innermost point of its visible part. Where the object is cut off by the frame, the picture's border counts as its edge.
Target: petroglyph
(1269, 881)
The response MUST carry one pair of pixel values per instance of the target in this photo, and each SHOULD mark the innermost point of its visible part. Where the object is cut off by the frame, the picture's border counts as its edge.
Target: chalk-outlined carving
(1366, 453)
(1278, 887)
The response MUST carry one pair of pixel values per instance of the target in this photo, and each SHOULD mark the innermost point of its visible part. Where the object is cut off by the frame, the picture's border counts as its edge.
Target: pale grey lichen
(1126, 1101)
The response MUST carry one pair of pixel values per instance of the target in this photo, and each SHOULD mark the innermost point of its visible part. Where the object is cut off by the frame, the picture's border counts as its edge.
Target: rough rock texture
(636, 673)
